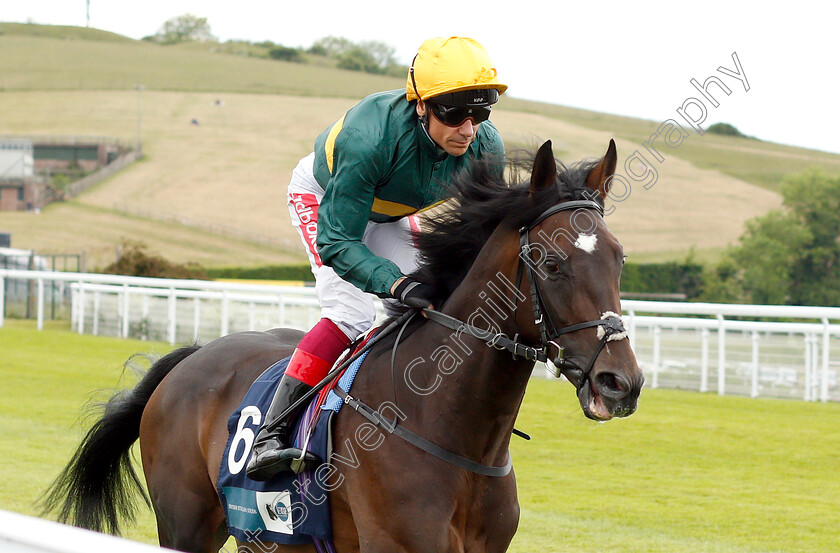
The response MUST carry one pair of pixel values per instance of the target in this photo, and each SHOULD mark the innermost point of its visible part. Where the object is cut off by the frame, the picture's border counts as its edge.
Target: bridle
(610, 324)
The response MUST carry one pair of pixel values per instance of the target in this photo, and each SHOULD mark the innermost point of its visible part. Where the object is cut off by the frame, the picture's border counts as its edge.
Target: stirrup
(273, 462)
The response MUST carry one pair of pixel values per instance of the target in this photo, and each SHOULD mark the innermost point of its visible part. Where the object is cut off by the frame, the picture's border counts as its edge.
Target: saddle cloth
(289, 509)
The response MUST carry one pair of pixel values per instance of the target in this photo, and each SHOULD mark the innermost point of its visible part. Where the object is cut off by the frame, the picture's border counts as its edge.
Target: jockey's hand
(413, 293)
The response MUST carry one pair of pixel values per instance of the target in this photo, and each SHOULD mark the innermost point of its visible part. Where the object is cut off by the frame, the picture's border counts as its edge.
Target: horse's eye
(623, 259)
(552, 266)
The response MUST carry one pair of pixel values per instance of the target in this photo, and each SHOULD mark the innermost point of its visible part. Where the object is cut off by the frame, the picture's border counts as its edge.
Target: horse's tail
(95, 490)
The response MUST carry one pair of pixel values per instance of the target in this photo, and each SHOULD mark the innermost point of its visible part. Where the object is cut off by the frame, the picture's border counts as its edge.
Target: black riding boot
(271, 453)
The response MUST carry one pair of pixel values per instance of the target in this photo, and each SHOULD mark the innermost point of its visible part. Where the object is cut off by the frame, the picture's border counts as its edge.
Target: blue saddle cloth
(288, 509)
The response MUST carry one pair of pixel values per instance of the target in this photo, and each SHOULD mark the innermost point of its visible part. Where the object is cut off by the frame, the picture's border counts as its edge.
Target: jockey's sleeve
(344, 214)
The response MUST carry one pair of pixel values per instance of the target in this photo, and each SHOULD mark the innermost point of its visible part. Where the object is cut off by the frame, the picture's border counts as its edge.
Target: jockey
(354, 199)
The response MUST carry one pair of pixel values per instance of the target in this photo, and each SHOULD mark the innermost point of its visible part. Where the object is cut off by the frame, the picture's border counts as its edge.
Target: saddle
(290, 509)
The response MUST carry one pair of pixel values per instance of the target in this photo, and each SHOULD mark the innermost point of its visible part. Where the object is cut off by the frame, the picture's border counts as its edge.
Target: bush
(135, 260)
(725, 129)
(358, 59)
(285, 53)
(663, 278)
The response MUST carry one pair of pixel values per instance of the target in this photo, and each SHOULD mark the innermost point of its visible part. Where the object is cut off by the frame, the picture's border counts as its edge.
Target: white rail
(676, 342)
(24, 534)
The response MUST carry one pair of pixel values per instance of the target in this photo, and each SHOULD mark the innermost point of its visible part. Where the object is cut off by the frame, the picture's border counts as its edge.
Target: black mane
(482, 200)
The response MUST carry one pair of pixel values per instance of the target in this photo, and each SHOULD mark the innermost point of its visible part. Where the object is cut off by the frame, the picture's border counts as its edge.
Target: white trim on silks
(617, 335)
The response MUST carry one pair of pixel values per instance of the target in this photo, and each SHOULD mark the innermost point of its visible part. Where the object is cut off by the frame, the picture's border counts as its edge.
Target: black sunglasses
(454, 116)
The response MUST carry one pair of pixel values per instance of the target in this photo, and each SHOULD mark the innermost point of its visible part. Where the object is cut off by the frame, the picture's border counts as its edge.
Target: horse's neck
(478, 401)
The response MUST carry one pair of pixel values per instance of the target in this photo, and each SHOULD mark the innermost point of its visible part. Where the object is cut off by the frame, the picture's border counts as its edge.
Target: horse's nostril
(611, 385)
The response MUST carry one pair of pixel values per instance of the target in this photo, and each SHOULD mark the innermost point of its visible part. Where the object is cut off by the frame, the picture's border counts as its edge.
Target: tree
(330, 46)
(383, 55)
(725, 129)
(358, 59)
(369, 56)
(793, 256)
(184, 28)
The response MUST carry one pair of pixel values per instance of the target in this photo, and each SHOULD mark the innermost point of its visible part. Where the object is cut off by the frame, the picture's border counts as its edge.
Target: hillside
(233, 166)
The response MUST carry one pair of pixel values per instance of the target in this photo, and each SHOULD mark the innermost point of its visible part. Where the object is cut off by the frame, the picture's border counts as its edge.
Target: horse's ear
(545, 168)
(599, 178)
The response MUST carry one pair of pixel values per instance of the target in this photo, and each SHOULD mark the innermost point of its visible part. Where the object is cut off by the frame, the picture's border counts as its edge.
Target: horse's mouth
(591, 401)
(593, 404)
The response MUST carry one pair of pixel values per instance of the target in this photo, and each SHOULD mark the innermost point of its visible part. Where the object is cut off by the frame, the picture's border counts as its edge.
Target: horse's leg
(380, 507)
(189, 514)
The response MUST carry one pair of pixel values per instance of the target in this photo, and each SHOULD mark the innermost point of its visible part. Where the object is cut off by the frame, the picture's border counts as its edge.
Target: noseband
(610, 326)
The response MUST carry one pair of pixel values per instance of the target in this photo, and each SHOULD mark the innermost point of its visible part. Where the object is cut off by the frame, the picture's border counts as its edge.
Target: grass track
(688, 472)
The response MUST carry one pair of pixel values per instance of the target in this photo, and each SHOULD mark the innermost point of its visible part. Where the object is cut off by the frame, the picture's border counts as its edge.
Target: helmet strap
(411, 72)
(424, 119)
(424, 124)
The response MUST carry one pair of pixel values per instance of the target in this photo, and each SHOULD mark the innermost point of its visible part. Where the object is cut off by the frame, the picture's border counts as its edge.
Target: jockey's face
(455, 141)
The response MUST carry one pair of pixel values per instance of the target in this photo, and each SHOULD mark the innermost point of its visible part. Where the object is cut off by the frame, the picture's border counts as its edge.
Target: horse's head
(573, 263)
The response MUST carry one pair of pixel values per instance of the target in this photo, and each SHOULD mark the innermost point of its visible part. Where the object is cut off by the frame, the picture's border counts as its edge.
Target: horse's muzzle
(605, 394)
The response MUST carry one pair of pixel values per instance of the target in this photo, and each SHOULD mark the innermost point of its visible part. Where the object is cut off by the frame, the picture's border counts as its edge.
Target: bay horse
(529, 269)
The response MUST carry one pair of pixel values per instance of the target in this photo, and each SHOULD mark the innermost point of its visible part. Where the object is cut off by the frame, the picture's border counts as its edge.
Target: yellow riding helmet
(446, 65)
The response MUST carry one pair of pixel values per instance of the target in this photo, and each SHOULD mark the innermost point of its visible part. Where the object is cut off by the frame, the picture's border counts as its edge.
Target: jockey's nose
(468, 127)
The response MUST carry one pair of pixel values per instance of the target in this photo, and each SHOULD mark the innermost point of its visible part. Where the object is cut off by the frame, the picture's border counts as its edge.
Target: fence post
(81, 307)
(721, 356)
(2, 300)
(825, 356)
(224, 322)
(754, 369)
(171, 317)
(40, 308)
(632, 329)
(815, 360)
(657, 333)
(196, 318)
(144, 318)
(126, 307)
(806, 395)
(96, 306)
(704, 360)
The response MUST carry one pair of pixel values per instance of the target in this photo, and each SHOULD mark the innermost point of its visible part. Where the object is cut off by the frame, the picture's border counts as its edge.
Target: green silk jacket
(377, 163)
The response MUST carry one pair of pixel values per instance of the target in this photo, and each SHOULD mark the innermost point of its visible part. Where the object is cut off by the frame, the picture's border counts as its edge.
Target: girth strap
(420, 442)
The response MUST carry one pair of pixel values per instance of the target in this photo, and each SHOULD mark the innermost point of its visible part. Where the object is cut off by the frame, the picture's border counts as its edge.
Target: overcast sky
(628, 58)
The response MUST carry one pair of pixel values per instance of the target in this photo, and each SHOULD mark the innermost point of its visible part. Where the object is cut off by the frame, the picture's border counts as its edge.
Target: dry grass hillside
(232, 167)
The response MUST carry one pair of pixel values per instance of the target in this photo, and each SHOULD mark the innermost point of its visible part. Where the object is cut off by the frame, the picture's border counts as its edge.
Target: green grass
(47, 379)
(63, 32)
(688, 472)
(48, 63)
